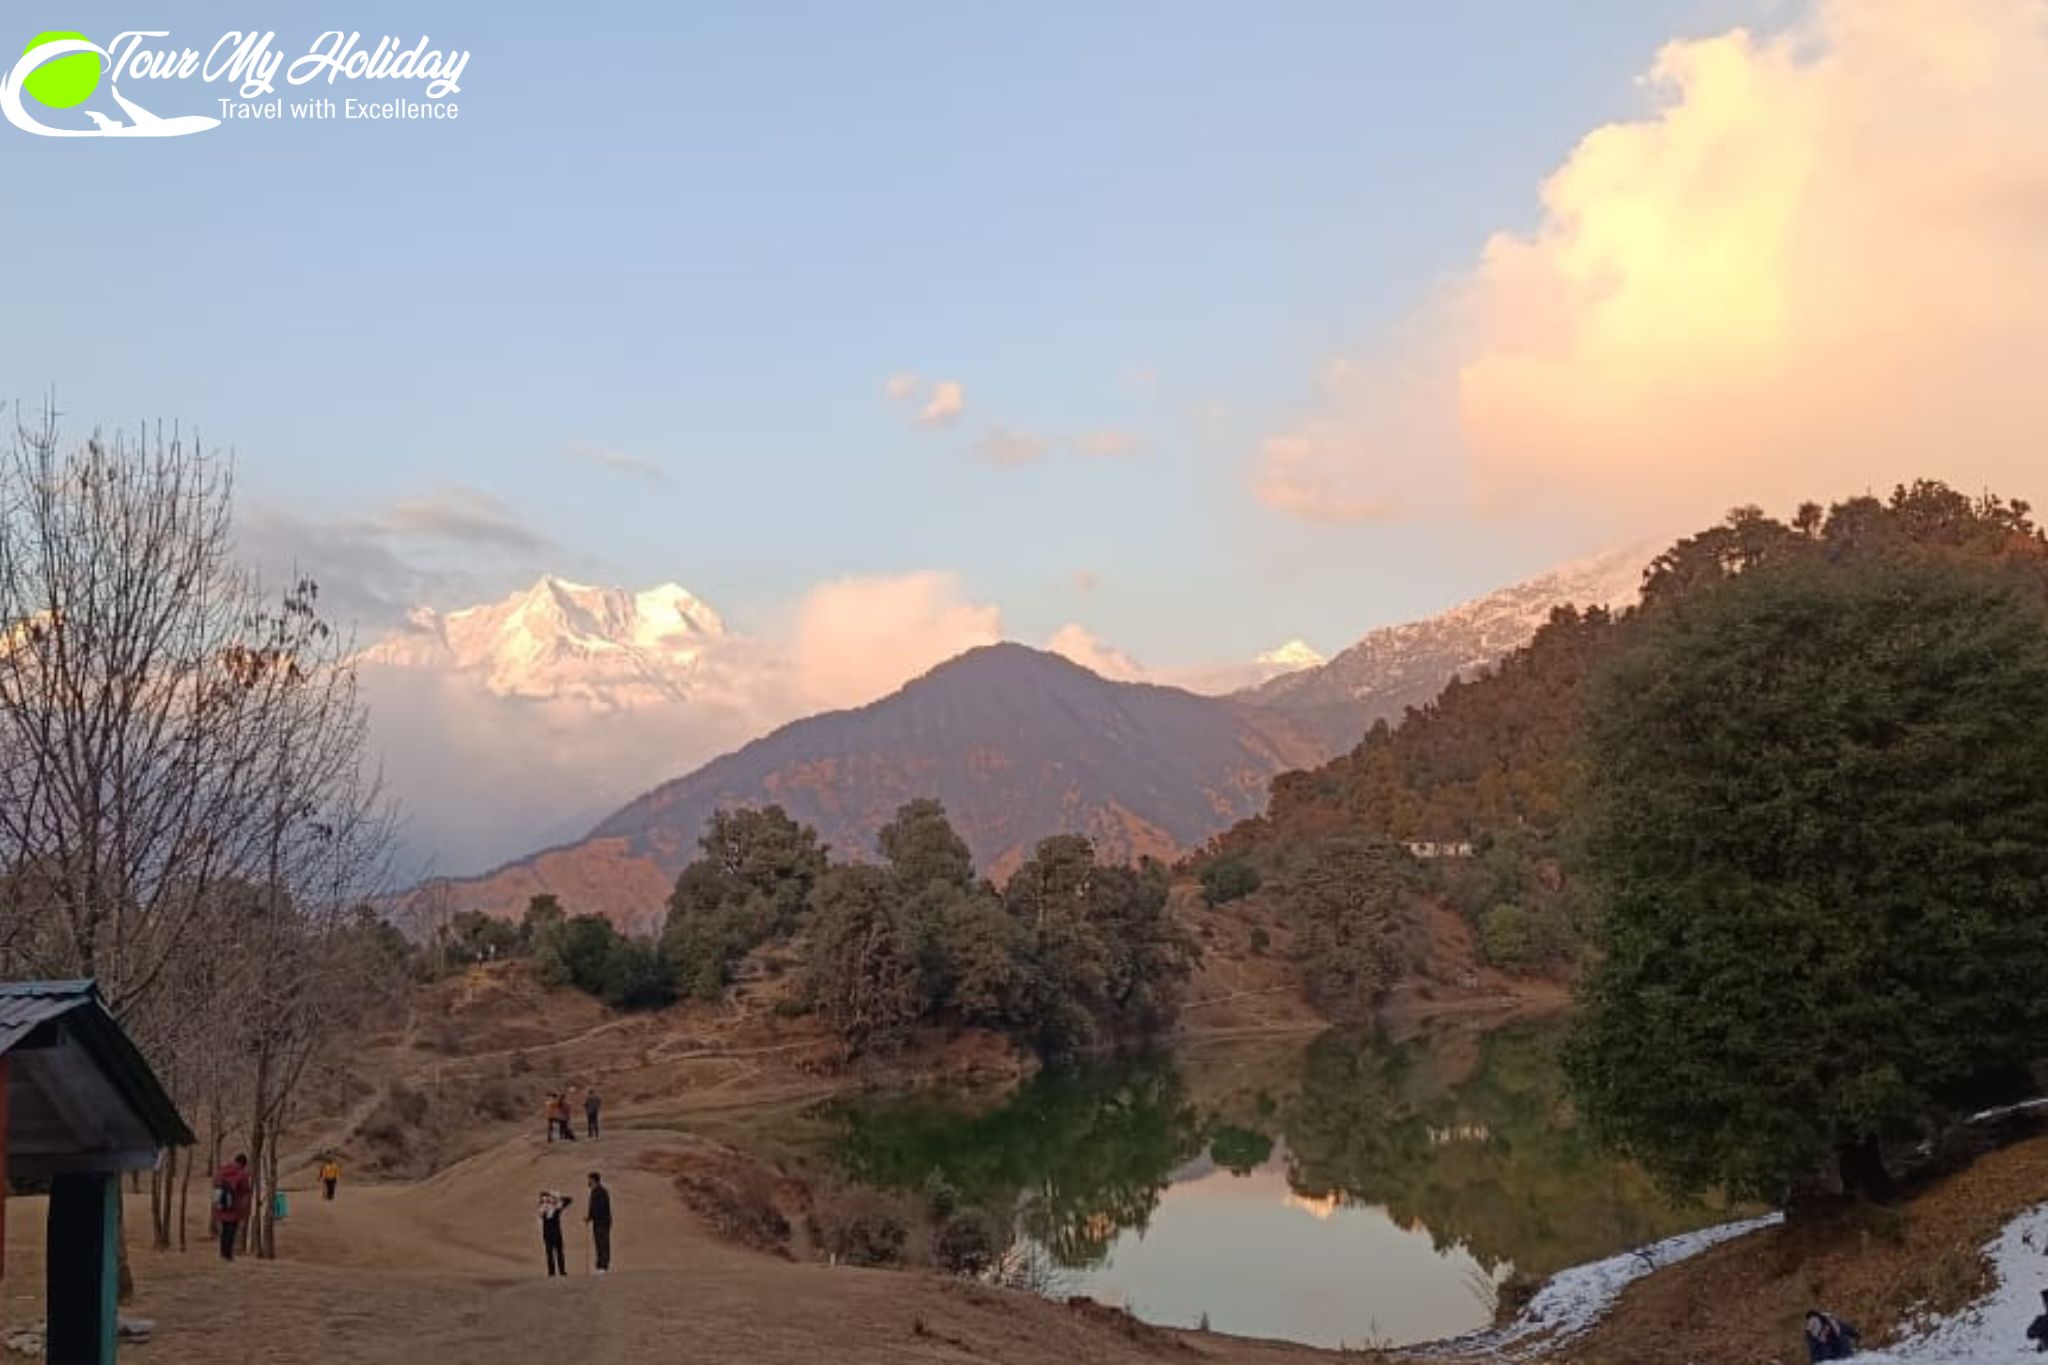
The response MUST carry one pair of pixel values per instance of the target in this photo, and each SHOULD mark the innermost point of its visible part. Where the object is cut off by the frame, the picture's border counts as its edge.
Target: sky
(1182, 328)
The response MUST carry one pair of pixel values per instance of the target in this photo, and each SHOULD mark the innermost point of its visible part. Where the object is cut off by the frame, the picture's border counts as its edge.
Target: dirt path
(448, 1271)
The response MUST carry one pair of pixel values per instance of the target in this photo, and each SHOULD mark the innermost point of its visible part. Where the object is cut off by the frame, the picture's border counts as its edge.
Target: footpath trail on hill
(449, 1271)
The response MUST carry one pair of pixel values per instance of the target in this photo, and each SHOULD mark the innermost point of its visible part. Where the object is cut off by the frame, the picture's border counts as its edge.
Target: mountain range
(1396, 667)
(607, 647)
(1018, 743)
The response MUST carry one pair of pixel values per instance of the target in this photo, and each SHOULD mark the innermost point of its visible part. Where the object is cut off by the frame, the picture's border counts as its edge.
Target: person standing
(551, 1207)
(232, 1193)
(330, 1176)
(598, 1213)
(591, 1104)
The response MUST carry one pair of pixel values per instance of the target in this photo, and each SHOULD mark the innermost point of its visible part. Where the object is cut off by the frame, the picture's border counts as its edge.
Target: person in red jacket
(232, 1191)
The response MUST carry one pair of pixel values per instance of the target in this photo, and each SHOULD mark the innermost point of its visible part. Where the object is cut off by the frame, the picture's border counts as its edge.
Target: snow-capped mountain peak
(1396, 667)
(1291, 657)
(614, 647)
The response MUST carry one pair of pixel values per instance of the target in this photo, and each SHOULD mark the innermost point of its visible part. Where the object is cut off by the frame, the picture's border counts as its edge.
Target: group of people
(561, 1120)
(597, 1213)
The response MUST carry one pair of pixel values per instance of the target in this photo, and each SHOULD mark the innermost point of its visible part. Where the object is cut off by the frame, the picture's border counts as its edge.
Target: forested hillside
(1496, 760)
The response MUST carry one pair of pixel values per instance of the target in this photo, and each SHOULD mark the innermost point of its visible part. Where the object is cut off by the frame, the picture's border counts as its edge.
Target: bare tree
(184, 807)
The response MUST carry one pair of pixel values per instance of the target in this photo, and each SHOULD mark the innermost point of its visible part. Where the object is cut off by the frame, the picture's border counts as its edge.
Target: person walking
(598, 1213)
(330, 1176)
(548, 1112)
(591, 1104)
(232, 1193)
(551, 1207)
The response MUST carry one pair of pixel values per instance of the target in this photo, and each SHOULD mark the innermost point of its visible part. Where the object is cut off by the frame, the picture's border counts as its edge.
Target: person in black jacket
(1828, 1337)
(598, 1213)
(550, 1212)
(2037, 1330)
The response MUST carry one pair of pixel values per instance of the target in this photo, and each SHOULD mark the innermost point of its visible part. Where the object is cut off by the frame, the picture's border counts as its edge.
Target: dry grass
(1880, 1269)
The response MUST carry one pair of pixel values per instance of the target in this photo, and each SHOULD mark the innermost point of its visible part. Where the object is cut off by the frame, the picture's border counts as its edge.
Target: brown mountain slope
(1017, 743)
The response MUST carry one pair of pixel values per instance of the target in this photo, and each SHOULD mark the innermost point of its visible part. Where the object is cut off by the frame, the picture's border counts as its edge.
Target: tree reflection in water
(1471, 1139)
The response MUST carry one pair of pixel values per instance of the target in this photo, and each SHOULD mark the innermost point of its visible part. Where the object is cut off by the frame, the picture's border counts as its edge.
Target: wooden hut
(78, 1108)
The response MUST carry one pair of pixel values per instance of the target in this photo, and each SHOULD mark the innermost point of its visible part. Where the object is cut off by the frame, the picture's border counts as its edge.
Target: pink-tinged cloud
(857, 639)
(1076, 642)
(1108, 443)
(1011, 446)
(947, 401)
(1817, 267)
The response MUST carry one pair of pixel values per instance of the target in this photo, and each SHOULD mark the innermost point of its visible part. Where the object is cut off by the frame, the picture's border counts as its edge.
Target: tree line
(1070, 953)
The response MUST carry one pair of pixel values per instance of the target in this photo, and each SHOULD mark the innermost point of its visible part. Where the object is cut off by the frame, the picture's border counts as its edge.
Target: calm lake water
(1352, 1190)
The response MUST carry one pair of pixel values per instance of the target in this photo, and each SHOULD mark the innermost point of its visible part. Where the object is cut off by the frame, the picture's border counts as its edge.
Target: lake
(1351, 1190)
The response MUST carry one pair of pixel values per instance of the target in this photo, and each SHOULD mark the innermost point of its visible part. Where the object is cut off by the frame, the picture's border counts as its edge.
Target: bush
(1504, 936)
(965, 1244)
(940, 1198)
(864, 1229)
(637, 976)
(1228, 879)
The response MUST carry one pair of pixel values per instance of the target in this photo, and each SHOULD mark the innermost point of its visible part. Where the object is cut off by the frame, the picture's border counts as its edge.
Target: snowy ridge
(1573, 1300)
(1994, 1329)
(611, 647)
(1406, 665)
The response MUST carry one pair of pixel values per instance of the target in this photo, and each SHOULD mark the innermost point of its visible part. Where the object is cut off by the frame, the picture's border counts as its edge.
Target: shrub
(864, 1229)
(940, 1198)
(1228, 879)
(965, 1244)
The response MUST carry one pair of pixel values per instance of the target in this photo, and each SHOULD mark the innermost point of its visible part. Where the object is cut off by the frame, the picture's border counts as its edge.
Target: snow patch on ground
(1573, 1300)
(1994, 1329)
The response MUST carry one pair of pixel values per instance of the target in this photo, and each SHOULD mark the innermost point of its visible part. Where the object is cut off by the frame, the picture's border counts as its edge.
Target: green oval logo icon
(69, 80)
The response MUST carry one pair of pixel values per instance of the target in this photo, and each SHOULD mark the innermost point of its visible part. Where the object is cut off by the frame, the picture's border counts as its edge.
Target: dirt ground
(448, 1270)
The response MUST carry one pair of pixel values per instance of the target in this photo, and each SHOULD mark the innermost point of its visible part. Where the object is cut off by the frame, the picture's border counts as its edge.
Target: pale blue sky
(703, 236)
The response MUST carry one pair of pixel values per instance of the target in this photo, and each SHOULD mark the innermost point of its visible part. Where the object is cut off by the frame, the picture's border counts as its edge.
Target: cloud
(856, 639)
(1076, 642)
(618, 462)
(1815, 267)
(947, 401)
(364, 583)
(373, 568)
(1010, 446)
(901, 385)
(463, 516)
(1107, 442)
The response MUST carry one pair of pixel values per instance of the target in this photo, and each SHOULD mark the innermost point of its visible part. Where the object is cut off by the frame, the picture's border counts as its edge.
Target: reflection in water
(1350, 1191)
